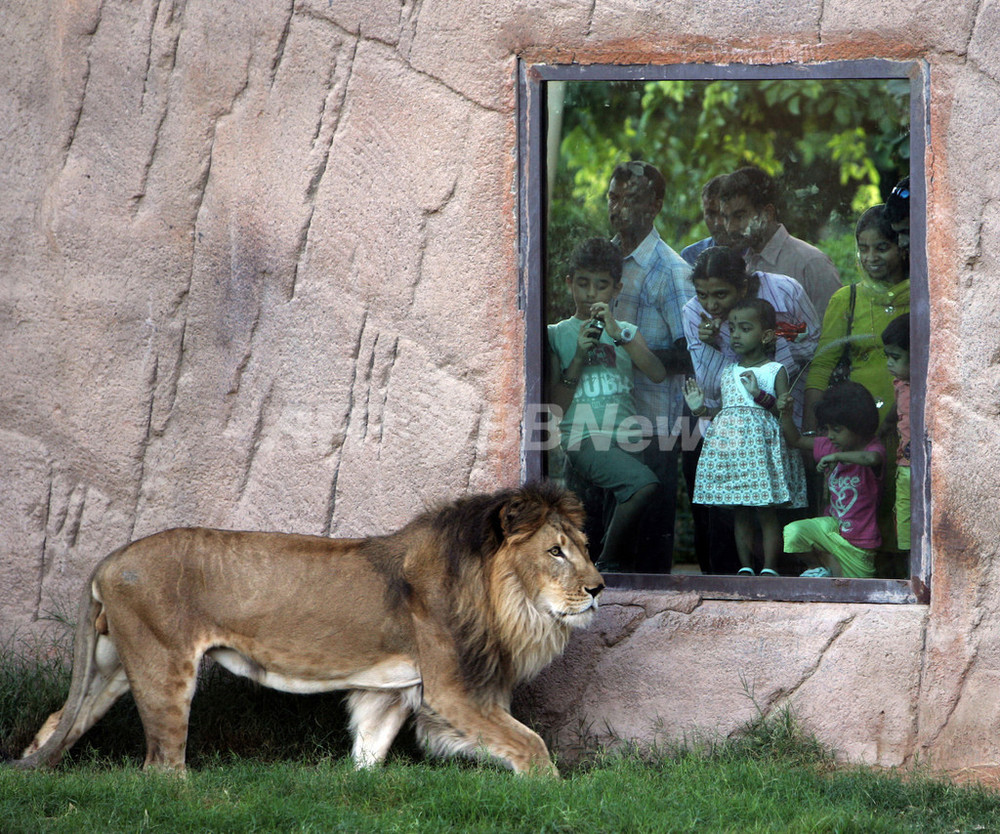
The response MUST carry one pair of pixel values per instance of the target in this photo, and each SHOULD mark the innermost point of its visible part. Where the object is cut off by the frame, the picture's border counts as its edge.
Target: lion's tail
(54, 737)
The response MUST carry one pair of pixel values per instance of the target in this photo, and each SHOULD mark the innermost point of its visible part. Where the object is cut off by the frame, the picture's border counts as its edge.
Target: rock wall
(659, 667)
(260, 271)
(261, 274)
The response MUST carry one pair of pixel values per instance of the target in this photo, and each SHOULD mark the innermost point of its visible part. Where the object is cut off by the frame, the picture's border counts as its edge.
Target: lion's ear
(521, 515)
(510, 512)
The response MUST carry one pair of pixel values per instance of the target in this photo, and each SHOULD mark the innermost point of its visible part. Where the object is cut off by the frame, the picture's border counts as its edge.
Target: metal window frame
(531, 80)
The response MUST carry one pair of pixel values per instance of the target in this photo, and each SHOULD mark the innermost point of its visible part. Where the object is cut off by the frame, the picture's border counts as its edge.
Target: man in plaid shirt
(656, 286)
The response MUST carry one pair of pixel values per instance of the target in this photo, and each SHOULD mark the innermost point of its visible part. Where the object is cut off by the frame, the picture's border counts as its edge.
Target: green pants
(823, 534)
(903, 507)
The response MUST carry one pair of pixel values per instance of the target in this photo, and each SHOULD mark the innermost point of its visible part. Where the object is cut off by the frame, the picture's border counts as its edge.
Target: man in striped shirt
(656, 286)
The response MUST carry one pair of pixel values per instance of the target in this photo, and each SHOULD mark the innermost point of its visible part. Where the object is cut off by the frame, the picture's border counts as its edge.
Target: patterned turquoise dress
(745, 461)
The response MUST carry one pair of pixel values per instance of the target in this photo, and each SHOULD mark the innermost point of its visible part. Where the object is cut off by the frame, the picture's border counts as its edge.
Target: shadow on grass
(231, 717)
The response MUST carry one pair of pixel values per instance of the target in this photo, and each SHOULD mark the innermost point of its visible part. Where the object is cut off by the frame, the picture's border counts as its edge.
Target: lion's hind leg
(163, 680)
(44, 734)
(107, 683)
(376, 718)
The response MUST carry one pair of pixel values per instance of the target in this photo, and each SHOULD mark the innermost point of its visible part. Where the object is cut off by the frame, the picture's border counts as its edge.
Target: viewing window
(797, 154)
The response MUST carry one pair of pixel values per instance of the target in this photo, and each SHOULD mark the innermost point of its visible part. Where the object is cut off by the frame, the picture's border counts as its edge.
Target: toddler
(853, 461)
(744, 462)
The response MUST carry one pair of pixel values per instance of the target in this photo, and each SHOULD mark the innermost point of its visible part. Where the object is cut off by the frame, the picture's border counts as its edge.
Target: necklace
(887, 293)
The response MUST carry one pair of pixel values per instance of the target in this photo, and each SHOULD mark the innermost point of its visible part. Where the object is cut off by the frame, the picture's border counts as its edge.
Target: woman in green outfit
(882, 294)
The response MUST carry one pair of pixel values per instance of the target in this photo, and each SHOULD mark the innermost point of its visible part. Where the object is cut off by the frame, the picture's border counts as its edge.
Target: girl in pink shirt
(853, 460)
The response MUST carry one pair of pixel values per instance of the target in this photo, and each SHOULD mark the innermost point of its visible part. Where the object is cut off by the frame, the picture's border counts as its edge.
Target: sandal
(745, 572)
(815, 573)
(769, 572)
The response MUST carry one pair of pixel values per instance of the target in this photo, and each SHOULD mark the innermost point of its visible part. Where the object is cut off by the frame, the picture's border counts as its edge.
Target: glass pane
(832, 148)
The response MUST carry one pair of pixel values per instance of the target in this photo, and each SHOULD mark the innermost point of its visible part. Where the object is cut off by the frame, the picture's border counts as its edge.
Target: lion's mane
(502, 638)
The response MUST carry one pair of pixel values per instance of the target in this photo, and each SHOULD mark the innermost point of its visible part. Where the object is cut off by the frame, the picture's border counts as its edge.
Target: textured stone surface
(680, 667)
(259, 270)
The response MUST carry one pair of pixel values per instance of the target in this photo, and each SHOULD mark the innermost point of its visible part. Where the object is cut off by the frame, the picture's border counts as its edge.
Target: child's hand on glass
(693, 395)
(749, 380)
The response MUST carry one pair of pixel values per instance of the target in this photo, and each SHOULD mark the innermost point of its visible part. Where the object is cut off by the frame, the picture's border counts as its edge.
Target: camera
(596, 324)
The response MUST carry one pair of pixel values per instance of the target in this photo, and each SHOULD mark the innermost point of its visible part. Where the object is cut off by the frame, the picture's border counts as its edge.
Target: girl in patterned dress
(745, 463)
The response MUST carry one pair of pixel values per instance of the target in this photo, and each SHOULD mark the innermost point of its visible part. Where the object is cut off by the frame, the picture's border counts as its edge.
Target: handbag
(842, 370)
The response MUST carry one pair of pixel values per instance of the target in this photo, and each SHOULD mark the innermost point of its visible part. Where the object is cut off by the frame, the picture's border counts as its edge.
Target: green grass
(691, 792)
(261, 762)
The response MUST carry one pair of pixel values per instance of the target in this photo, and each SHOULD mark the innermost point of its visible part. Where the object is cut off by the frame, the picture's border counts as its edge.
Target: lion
(440, 619)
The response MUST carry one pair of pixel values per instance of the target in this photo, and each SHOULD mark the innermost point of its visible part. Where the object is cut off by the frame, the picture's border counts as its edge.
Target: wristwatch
(627, 335)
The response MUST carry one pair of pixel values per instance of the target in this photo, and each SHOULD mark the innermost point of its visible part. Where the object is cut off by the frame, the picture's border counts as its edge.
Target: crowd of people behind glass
(746, 364)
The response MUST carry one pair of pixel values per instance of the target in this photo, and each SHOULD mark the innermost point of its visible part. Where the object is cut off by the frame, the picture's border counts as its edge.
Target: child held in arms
(853, 460)
(896, 342)
(591, 362)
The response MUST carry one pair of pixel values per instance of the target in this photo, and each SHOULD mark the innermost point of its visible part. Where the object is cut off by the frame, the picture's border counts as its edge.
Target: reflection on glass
(720, 192)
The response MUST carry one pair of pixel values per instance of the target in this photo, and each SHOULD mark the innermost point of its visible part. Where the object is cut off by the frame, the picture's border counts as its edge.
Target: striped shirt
(791, 304)
(656, 284)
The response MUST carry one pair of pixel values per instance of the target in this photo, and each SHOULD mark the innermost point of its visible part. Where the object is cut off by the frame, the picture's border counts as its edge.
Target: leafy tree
(836, 147)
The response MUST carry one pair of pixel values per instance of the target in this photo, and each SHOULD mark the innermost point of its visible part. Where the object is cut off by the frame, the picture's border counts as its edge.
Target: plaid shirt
(656, 286)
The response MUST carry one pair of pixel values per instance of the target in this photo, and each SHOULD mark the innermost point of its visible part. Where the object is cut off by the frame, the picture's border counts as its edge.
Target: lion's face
(556, 567)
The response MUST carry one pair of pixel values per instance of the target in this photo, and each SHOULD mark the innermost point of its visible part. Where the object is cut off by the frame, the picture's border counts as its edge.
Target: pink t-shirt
(854, 494)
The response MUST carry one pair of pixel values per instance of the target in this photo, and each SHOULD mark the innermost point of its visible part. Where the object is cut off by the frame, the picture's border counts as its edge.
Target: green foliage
(34, 679)
(755, 788)
(771, 776)
(843, 251)
(835, 147)
(774, 737)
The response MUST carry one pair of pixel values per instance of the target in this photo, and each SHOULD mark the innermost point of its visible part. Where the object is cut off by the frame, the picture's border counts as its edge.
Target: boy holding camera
(591, 358)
